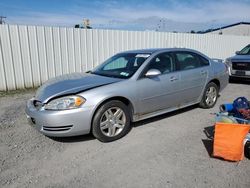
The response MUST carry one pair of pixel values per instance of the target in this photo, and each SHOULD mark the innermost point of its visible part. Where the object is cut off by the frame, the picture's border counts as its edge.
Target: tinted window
(203, 61)
(163, 62)
(188, 60)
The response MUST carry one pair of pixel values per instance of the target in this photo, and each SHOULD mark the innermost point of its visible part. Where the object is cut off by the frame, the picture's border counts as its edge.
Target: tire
(210, 96)
(111, 121)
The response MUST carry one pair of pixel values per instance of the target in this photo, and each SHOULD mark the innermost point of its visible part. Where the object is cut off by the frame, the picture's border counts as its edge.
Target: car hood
(71, 84)
(240, 58)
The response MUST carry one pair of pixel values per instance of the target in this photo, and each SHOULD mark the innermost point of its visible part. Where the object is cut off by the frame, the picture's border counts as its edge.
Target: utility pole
(2, 20)
(161, 26)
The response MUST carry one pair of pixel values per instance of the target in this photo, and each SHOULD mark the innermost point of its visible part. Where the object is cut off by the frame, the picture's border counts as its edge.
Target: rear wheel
(111, 121)
(210, 96)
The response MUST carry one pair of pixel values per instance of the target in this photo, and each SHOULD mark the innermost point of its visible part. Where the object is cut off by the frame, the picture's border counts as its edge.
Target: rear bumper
(60, 123)
(224, 79)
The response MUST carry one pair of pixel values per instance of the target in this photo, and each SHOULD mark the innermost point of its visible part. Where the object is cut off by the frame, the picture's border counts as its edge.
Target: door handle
(173, 78)
(203, 72)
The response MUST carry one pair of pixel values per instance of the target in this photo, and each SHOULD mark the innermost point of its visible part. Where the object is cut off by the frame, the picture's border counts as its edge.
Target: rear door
(193, 70)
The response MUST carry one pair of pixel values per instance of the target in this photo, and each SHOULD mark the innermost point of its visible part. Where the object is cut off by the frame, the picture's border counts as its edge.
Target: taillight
(227, 68)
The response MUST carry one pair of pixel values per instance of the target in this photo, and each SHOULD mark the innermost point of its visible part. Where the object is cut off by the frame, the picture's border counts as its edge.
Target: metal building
(240, 29)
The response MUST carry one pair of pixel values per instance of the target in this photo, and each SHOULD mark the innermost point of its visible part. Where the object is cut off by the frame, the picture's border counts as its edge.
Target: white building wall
(239, 30)
(30, 55)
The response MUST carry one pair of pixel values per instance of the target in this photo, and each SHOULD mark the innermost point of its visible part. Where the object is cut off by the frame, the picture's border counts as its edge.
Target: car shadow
(239, 81)
(163, 116)
(71, 139)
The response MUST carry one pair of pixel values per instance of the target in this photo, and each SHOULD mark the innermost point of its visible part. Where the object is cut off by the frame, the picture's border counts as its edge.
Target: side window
(203, 61)
(187, 60)
(164, 63)
(116, 64)
(139, 61)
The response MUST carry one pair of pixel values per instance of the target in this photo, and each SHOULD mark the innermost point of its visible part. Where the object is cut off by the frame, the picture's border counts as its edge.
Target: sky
(162, 15)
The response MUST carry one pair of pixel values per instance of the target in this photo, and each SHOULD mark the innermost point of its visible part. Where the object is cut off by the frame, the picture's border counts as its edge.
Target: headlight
(65, 103)
(228, 62)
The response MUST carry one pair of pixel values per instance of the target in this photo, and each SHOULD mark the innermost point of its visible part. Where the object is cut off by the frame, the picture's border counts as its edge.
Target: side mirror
(152, 73)
(237, 52)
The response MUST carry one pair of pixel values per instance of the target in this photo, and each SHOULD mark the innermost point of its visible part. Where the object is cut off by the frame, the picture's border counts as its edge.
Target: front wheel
(210, 96)
(111, 121)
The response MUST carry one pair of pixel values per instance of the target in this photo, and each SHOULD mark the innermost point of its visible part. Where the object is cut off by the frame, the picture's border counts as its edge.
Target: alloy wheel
(211, 95)
(112, 121)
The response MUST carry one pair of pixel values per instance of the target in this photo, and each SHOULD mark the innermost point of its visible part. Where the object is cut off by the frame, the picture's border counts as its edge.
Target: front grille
(241, 66)
(61, 128)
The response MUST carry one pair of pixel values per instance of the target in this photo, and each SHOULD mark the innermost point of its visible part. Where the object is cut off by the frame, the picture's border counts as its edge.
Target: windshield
(245, 51)
(122, 65)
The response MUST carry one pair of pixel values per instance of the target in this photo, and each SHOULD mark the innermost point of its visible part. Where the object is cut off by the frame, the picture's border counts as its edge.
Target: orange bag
(228, 140)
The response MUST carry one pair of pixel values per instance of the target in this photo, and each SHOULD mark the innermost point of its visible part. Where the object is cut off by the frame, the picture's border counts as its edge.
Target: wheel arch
(124, 100)
(216, 81)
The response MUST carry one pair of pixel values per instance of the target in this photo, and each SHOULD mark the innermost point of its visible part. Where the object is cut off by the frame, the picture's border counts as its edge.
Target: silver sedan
(128, 87)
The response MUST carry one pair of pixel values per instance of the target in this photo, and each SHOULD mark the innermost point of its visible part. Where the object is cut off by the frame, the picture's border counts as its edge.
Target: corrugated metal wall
(30, 55)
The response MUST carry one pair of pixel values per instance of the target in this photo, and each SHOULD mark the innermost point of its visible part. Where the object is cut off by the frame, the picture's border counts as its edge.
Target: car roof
(155, 50)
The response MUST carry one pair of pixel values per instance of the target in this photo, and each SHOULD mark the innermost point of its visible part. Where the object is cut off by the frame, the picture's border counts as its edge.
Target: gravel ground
(171, 150)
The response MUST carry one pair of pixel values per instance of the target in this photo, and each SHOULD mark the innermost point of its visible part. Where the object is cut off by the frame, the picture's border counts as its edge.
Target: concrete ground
(171, 150)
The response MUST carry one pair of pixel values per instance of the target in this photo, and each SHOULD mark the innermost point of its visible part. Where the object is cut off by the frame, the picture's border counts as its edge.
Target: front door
(159, 92)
